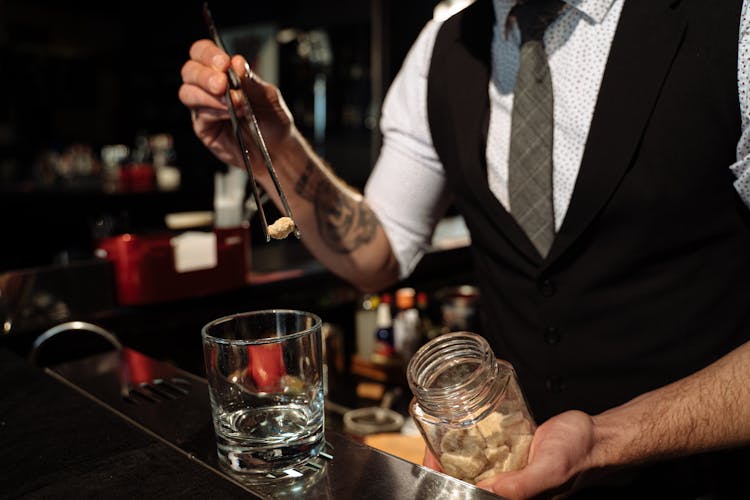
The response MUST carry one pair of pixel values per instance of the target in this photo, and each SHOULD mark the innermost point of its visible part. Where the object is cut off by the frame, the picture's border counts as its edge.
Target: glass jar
(469, 407)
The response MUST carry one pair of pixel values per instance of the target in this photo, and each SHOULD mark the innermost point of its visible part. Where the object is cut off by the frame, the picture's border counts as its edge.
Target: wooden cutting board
(410, 448)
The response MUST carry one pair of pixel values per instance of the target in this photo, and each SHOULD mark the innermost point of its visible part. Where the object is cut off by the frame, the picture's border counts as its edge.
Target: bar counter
(76, 431)
(57, 443)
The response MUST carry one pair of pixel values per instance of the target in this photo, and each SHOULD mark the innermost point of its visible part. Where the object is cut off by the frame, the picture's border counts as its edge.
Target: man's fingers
(537, 477)
(211, 80)
(504, 484)
(208, 54)
(518, 484)
(195, 97)
(430, 461)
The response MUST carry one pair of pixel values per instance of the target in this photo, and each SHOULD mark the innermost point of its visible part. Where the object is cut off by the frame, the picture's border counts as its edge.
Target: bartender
(599, 151)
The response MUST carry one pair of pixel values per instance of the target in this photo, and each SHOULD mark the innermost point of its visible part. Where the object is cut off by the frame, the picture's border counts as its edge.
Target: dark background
(97, 73)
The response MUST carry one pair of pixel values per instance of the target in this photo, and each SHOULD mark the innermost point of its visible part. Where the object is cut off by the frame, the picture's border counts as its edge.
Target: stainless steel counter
(172, 405)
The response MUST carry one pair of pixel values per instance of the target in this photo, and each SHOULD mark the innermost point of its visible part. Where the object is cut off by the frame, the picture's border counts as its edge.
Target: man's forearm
(336, 224)
(707, 410)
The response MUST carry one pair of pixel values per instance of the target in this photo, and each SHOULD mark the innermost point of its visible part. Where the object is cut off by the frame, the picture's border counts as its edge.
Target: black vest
(648, 279)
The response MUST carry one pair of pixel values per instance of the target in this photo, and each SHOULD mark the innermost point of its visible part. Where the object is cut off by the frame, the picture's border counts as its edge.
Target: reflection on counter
(347, 470)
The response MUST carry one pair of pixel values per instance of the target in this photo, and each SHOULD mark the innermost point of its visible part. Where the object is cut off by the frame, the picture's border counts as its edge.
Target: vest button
(547, 288)
(552, 335)
(554, 383)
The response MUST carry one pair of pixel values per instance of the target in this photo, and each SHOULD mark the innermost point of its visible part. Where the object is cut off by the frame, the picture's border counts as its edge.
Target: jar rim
(448, 351)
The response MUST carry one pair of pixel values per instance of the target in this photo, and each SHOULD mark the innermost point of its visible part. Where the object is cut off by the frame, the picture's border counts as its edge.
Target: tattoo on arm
(344, 224)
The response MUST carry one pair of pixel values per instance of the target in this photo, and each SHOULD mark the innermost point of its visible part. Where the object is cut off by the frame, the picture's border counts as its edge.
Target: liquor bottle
(406, 333)
(365, 319)
(384, 350)
(428, 329)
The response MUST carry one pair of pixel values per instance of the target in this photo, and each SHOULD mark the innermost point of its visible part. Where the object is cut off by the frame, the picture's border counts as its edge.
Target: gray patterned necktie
(530, 157)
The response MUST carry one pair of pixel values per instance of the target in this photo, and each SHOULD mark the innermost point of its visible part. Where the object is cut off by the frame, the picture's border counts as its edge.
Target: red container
(145, 272)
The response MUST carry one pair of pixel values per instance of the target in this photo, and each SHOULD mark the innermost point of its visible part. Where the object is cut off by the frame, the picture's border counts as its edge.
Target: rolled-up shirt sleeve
(407, 187)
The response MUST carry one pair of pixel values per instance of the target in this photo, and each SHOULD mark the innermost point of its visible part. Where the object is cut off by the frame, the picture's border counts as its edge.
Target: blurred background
(93, 140)
(112, 212)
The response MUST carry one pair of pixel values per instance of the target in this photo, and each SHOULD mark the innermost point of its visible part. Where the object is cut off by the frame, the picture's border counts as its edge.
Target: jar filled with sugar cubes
(469, 407)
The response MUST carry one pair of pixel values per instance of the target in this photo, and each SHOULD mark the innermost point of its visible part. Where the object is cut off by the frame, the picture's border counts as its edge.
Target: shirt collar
(594, 10)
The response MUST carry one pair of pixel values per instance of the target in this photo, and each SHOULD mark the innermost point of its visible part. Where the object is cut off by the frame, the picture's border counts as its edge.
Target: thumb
(537, 477)
(253, 85)
(265, 98)
(259, 91)
(430, 460)
(507, 484)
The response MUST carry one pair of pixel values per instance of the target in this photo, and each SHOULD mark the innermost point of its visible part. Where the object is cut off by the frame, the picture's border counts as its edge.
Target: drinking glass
(264, 371)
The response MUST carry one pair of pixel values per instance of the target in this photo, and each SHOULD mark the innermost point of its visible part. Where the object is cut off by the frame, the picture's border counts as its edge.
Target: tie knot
(533, 17)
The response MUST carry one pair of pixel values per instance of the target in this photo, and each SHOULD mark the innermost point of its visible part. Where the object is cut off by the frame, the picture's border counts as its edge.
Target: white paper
(194, 250)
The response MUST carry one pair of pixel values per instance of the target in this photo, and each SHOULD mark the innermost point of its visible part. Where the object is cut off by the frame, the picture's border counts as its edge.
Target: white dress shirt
(407, 189)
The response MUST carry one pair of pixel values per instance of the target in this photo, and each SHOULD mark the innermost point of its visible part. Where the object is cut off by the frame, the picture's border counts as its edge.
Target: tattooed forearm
(344, 223)
(310, 178)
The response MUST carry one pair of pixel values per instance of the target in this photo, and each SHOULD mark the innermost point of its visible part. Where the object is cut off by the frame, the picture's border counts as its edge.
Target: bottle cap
(405, 298)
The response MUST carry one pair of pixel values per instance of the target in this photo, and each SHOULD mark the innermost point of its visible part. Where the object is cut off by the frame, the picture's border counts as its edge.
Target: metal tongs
(235, 84)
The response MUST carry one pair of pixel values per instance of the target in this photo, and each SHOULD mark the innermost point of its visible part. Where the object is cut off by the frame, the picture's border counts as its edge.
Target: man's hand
(705, 411)
(339, 228)
(430, 461)
(203, 92)
(560, 451)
